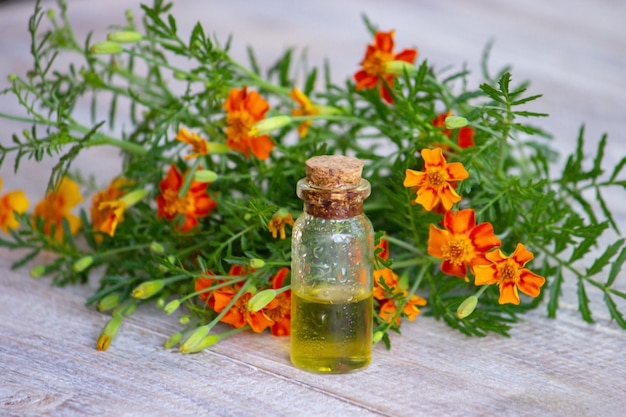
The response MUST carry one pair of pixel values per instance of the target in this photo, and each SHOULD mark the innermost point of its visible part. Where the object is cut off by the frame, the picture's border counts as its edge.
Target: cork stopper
(334, 171)
(333, 187)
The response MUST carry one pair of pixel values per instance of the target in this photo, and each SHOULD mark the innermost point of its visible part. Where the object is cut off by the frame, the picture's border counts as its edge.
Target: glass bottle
(331, 270)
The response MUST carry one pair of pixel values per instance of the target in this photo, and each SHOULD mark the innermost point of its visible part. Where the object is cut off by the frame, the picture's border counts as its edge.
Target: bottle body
(332, 303)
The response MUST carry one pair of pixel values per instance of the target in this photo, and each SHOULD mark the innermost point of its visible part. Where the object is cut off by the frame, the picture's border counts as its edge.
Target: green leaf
(555, 293)
(526, 100)
(253, 62)
(492, 92)
(309, 85)
(582, 249)
(617, 169)
(504, 84)
(616, 267)
(597, 162)
(583, 302)
(604, 259)
(615, 313)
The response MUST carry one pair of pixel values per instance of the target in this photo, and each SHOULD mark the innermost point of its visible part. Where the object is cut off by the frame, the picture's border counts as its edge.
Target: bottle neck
(333, 204)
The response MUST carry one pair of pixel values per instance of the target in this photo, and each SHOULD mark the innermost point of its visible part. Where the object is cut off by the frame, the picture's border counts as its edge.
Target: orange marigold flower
(461, 243)
(11, 202)
(196, 203)
(279, 310)
(510, 275)
(306, 109)
(374, 71)
(101, 216)
(243, 109)
(278, 222)
(465, 135)
(239, 315)
(56, 207)
(389, 294)
(199, 146)
(434, 182)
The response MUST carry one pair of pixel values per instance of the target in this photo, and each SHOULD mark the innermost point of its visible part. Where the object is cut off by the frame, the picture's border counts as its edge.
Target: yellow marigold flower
(306, 109)
(434, 183)
(56, 207)
(108, 206)
(510, 275)
(13, 201)
(277, 224)
(199, 146)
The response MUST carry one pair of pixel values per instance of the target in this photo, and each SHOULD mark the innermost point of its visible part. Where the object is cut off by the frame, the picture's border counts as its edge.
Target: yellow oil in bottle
(331, 329)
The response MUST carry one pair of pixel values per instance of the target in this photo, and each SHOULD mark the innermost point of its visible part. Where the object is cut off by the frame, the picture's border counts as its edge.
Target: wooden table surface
(574, 51)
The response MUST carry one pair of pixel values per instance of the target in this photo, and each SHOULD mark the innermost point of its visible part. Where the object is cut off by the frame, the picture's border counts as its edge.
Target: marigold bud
(12, 78)
(260, 300)
(82, 264)
(109, 302)
(133, 197)
(173, 340)
(156, 247)
(208, 341)
(455, 122)
(204, 175)
(399, 67)
(467, 307)
(51, 14)
(181, 75)
(124, 36)
(256, 263)
(108, 333)
(171, 307)
(38, 271)
(125, 309)
(105, 48)
(184, 319)
(194, 339)
(147, 289)
(377, 337)
(265, 126)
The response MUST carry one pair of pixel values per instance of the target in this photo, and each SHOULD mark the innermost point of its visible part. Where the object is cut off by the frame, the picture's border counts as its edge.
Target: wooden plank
(573, 50)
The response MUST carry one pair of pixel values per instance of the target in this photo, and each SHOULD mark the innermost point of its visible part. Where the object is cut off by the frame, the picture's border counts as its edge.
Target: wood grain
(574, 52)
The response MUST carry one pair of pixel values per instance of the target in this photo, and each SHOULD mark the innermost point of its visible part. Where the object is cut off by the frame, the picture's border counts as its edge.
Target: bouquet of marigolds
(472, 226)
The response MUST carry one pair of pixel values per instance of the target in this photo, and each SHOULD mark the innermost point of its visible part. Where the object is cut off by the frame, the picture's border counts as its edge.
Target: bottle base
(331, 365)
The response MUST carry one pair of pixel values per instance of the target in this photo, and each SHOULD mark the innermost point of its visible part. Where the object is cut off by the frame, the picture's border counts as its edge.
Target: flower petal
(407, 55)
(384, 41)
(256, 106)
(428, 197)
(437, 238)
(414, 178)
(485, 274)
(461, 222)
(449, 268)
(455, 171)
(261, 146)
(448, 196)
(17, 201)
(530, 283)
(521, 256)
(483, 237)
(433, 158)
(508, 292)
